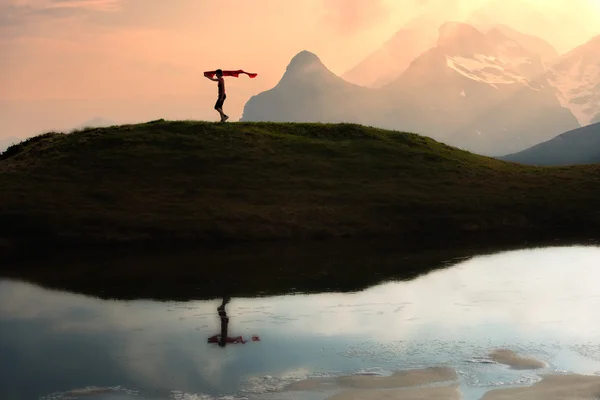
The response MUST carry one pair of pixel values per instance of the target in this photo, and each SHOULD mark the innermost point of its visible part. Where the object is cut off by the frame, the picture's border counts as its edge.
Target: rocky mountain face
(473, 90)
(576, 78)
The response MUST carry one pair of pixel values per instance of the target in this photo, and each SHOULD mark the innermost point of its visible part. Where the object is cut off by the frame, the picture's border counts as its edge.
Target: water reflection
(223, 338)
(541, 303)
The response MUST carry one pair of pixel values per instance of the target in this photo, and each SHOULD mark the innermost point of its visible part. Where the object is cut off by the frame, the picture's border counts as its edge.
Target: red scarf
(235, 74)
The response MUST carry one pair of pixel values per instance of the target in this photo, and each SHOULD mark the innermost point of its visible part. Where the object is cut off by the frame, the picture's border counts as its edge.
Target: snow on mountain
(486, 69)
(473, 90)
(576, 78)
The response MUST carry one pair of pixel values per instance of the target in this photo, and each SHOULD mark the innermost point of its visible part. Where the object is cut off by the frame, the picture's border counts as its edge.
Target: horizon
(71, 61)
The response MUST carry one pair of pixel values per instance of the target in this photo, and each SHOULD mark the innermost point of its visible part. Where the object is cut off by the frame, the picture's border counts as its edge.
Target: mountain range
(579, 146)
(493, 91)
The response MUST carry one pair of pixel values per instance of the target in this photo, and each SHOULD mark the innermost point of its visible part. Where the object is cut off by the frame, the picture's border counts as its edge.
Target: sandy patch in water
(515, 361)
(434, 393)
(89, 391)
(552, 387)
(399, 379)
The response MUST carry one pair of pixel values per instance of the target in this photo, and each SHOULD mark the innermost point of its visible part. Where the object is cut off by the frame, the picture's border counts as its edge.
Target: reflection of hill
(249, 271)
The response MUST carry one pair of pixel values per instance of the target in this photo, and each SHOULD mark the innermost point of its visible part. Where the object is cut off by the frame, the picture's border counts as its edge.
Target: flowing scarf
(235, 74)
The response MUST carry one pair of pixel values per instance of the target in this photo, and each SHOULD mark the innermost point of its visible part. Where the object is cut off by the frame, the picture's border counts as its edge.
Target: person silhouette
(222, 96)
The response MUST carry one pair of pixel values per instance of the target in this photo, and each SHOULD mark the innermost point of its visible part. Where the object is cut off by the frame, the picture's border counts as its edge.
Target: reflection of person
(223, 339)
(222, 95)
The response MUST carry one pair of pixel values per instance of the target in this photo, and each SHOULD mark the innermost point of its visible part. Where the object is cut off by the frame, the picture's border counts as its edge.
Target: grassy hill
(197, 182)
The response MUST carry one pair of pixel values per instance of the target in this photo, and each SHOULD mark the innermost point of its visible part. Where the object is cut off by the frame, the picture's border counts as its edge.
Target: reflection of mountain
(471, 90)
(579, 146)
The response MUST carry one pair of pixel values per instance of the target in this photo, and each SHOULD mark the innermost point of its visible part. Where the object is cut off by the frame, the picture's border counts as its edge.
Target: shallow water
(540, 303)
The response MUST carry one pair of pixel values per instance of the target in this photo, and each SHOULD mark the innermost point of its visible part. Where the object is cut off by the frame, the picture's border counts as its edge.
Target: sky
(63, 62)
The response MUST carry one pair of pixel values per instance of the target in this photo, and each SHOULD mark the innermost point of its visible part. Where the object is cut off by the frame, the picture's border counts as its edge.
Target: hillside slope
(176, 182)
(579, 146)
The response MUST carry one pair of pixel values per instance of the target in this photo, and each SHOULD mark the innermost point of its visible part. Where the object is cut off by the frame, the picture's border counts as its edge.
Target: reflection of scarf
(238, 339)
(236, 74)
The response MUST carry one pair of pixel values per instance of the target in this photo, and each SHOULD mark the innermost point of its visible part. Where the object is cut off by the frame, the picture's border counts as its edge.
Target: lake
(477, 328)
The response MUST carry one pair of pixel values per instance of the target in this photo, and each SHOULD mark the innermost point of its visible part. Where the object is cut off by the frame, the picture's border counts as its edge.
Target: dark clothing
(220, 101)
(221, 85)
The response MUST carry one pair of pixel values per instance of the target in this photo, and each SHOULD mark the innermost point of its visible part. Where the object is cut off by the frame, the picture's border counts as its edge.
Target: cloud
(353, 16)
(19, 12)
(97, 5)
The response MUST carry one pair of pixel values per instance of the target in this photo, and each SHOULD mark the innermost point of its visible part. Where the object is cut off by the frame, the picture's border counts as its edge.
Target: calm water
(542, 303)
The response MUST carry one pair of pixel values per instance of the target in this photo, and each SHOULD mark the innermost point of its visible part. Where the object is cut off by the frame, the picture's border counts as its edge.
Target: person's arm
(212, 79)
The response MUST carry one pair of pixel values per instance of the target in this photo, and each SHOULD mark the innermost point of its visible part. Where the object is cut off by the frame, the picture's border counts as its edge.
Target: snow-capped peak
(576, 77)
(491, 58)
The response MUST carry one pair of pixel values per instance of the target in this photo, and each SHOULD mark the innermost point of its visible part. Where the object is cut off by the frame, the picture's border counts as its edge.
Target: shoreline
(250, 269)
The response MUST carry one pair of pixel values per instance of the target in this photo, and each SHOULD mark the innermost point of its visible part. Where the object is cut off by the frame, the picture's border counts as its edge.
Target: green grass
(197, 182)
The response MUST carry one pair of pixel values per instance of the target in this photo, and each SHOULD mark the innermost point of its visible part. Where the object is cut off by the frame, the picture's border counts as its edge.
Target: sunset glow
(66, 61)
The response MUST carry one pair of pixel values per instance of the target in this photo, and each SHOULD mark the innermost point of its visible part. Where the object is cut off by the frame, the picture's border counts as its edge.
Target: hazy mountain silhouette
(579, 146)
(548, 23)
(472, 90)
(309, 92)
(421, 34)
(389, 61)
(576, 78)
(544, 49)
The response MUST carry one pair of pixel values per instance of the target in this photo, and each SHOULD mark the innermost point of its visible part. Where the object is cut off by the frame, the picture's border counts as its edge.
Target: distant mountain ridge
(472, 90)
(576, 78)
(579, 146)
(309, 92)
(390, 60)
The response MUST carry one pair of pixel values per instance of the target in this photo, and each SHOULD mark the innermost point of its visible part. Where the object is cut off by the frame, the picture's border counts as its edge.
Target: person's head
(219, 73)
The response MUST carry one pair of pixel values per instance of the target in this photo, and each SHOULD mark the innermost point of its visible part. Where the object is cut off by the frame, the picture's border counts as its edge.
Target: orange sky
(66, 61)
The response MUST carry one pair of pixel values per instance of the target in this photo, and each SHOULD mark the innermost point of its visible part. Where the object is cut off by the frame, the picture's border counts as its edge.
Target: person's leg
(224, 117)
(221, 113)
(218, 107)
